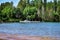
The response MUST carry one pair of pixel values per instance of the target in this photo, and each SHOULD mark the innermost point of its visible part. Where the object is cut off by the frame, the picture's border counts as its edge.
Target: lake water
(32, 29)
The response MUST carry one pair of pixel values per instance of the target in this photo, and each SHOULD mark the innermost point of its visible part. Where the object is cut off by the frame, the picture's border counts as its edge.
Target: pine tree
(45, 1)
(55, 5)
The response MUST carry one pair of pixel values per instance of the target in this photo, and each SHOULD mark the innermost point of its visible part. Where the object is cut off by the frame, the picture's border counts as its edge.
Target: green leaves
(29, 12)
(6, 10)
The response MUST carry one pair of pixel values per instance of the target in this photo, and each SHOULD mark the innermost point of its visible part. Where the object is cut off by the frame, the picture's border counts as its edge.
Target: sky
(14, 1)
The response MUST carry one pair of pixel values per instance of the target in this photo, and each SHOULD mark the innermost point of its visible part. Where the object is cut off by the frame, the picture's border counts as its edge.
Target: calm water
(32, 29)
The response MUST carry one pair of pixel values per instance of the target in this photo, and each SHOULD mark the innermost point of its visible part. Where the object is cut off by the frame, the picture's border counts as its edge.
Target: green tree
(0, 8)
(17, 13)
(38, 5)
(22, 5)
(45, 1)
(58, 8)
(3, 5)
(6, 10)
(30, 13)
(55, 5)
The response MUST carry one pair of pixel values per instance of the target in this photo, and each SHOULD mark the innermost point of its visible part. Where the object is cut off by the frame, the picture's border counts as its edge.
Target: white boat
(25, 21)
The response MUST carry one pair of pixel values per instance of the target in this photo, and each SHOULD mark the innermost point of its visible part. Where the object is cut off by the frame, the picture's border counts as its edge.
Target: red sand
(24, 37)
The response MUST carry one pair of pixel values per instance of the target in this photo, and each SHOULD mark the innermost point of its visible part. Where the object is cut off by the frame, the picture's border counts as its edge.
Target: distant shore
(24, 37)
(22, 21)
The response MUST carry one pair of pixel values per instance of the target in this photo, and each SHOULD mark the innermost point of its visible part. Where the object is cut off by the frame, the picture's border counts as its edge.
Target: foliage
(29, 12)
(33, 10)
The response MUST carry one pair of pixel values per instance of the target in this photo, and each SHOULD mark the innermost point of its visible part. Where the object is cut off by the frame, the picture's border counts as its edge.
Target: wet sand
(25, 37)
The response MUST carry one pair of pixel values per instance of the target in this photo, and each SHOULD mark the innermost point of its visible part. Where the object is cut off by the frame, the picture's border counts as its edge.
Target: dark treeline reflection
(34, 10)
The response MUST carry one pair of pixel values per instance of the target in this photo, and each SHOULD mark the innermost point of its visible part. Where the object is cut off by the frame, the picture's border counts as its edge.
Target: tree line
(32, 10)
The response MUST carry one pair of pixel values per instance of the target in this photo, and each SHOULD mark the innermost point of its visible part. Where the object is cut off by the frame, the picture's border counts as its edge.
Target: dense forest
(32, 10)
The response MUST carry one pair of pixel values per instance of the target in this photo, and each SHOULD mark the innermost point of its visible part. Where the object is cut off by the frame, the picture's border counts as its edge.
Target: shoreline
(22, 22)
(25, 21)
(24, 37)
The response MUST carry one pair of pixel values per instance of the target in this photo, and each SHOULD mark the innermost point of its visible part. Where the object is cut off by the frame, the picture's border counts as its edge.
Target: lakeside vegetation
(34, 10)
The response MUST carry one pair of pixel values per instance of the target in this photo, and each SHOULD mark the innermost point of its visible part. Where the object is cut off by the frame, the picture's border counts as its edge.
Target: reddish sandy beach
(24, 37)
